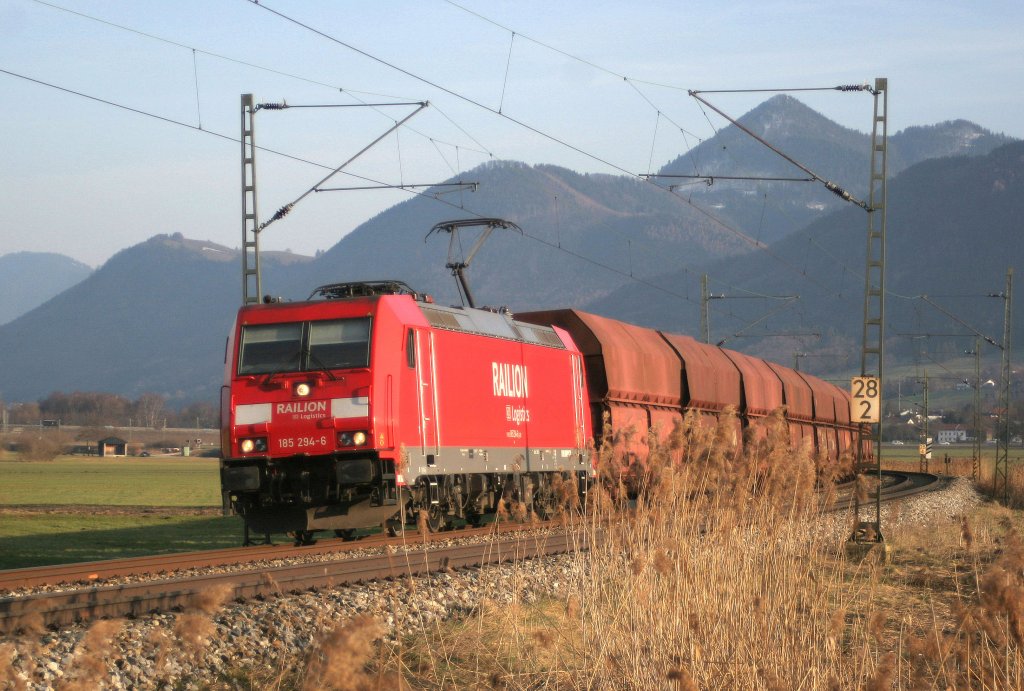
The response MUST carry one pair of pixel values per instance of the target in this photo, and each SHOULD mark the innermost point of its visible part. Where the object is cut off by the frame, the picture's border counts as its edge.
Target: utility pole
(976, 449)
(705, 325)
(869, 435)
(251, 280)
(1003, 438)
(252, 287)
(926, 441)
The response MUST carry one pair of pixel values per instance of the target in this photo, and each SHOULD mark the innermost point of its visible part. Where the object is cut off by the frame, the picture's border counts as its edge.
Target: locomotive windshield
(305, 346)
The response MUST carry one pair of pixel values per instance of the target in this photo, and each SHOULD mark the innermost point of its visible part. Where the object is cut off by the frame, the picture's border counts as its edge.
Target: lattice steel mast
(1003, 438)
(873, 342)
(251, 288)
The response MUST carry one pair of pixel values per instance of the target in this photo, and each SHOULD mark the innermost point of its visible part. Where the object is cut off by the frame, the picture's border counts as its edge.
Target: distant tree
(24, 414)
(149, 408)
(199, 414)
(84, 407)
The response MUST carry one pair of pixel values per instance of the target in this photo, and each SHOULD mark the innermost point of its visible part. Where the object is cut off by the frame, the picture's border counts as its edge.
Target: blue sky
(88, 179)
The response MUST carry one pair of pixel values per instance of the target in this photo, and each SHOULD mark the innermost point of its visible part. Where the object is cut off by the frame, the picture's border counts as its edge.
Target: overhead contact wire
(352, 93)
(299, 159)
(333, 87)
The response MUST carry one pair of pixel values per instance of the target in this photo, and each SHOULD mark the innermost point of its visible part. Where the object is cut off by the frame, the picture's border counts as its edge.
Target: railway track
(257, 575)
(895, 485)
(97, 571)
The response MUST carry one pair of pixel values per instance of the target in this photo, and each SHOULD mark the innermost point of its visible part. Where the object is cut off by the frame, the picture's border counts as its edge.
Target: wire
(286, 209)
(347, 92)
(844, 87)
(235, 140)
(434, 141)
(195, 73)
(631, 81)
(508, 65)
(829, 185)
(516, 121)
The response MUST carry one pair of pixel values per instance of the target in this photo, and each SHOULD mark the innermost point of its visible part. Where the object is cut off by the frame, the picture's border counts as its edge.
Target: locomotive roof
(498, 323)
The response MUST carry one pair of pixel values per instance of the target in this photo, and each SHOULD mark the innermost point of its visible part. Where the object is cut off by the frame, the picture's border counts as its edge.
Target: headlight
(302, 389)
(351, 438)
(258, 444)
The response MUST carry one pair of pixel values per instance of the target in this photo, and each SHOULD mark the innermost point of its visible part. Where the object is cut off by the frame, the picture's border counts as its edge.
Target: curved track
(895, 485)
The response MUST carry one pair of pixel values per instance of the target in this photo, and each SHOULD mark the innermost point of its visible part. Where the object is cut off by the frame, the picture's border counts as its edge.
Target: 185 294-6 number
(302, 442)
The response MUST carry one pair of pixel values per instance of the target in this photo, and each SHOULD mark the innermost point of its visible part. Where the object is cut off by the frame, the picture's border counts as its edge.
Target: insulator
(282, 212)
(839, 191)
(271, 106)
(853, 87)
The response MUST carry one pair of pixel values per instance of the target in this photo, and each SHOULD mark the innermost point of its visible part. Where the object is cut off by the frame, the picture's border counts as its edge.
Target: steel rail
(905, 484)
(67, 607)
(95, 571)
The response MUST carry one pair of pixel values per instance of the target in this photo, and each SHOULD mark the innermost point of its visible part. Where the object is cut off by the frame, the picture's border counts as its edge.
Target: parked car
(897, 442)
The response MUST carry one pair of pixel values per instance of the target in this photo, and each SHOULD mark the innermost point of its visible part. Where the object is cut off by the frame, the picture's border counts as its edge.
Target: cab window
(304, 346)
(271, 348)
(339, 344)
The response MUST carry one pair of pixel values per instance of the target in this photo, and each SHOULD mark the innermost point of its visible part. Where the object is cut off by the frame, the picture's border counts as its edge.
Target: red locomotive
(371, 403)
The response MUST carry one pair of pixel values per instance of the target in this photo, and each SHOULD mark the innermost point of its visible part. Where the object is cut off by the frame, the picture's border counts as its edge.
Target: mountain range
(31, 278)
(155, 316)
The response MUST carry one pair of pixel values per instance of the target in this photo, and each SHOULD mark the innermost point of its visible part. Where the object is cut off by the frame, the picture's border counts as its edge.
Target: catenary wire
(351, 93)
(299, 159)
(433, 141)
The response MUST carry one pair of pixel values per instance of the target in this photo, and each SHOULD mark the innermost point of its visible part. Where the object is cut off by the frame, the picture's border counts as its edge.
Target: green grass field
(111, 481)
(54, 537)
(35, 540)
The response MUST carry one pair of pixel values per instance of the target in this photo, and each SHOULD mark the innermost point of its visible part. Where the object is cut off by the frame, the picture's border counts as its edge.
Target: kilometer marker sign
(865, 399)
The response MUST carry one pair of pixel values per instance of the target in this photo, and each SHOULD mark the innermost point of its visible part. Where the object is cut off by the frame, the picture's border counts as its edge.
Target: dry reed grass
(88, 669)
(715, 580)
(340, 659)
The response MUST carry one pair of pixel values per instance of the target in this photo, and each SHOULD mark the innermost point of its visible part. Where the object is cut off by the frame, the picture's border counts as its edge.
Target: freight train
(368, 404)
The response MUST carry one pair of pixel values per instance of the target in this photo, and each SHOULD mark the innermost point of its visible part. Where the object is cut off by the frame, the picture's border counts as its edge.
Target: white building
(951, 434)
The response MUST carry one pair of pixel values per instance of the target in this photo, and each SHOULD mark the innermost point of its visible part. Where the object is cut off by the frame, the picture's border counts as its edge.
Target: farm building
(112, 446)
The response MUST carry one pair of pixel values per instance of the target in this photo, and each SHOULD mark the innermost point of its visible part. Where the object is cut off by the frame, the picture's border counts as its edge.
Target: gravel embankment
(174, 650)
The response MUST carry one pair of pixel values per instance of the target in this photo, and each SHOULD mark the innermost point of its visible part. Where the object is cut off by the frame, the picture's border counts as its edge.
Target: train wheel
(348, 534)
(395, 528)
(303, 538)
(437, 518)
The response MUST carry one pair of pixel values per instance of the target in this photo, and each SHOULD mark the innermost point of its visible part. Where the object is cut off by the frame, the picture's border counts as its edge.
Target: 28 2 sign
(865, 399)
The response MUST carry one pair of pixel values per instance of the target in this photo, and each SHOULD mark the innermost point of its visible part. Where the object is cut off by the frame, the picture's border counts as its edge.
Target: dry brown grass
(715, 580)
(10, 676)
(88, 669)
(340, 659)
